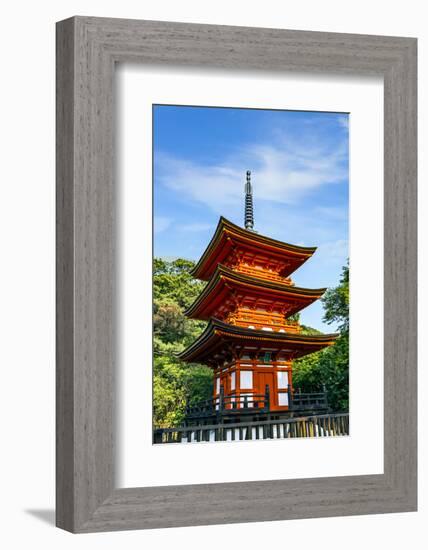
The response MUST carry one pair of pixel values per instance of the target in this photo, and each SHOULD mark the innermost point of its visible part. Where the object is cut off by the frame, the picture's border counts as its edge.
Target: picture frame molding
(87, 50)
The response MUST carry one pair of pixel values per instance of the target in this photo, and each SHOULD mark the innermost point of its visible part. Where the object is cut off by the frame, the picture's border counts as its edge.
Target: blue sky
(299, 163)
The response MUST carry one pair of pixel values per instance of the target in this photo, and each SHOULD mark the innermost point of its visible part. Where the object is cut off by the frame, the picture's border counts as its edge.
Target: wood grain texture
(64, 278)
(87, 49)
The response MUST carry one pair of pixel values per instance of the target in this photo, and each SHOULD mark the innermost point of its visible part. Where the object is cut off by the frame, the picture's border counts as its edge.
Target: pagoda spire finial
(249, 213)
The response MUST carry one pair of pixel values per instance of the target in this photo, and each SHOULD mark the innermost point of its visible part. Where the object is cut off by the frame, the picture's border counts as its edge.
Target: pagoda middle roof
(224, 282)
(228, 234)
(218, 336)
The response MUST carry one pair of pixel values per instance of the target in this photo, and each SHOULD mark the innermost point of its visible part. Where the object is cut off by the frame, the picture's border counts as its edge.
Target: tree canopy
(175, 383)
(330, 366)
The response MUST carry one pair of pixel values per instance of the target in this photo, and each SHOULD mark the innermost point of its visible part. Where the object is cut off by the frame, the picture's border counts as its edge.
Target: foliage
(334, 371)
(306, 375)
(336, 303)
(294, 317)
(172, 281)
(330, 366)
(309, 330)
(175, 383)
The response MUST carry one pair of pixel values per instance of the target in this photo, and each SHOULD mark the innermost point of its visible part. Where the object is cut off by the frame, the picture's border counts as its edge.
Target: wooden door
(224, 383)
(266, 379)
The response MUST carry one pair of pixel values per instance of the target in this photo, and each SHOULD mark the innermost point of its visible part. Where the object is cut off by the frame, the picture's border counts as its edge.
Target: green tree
(331, 365)
(334, 372)
(175, 383)
(172, 280)
(336, 303)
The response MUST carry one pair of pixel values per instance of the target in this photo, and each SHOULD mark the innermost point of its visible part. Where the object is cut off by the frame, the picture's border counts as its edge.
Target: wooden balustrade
(327, 425)
(303, 403)
(261, 273)
(299, 401)
(229, 404)
(260, 319)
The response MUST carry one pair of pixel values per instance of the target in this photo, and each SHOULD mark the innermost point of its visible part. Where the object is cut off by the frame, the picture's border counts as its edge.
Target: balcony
(309, 401)
(229, 407)
(262, 320)
(262, 273)
(222, 406)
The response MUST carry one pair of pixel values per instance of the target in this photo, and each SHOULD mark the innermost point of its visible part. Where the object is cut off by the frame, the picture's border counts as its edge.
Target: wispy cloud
(161, 223)
(287, 172)
(325, 266)
(335, 250)
(195, 227)
(334, 213)
(343, 121)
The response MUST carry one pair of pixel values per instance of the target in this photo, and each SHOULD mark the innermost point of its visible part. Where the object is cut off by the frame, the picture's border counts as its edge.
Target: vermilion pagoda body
(250, 341)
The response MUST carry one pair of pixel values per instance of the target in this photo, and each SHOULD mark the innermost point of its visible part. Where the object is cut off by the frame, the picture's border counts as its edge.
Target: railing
(260, 320)
(285, 326)
(229, 404)
(327, 425)
(256, 403)
(307, 401)
(263, 274)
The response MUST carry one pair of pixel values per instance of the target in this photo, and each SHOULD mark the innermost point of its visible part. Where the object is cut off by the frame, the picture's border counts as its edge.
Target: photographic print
(250, 274)
(176, 347)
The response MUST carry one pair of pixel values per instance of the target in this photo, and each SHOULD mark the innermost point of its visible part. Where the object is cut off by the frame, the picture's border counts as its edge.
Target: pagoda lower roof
(218, 338)
(226, 283)
(228, 235)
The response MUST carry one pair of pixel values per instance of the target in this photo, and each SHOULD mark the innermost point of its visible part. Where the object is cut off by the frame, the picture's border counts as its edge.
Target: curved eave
(300, 253)
(223, 275)
(216, 332)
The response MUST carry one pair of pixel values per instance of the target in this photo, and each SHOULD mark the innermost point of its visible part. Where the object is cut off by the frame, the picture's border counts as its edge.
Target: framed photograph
(238, 375)
(236, 274)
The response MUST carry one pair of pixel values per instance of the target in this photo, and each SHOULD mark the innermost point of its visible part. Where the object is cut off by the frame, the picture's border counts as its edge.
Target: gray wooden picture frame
(87, 50)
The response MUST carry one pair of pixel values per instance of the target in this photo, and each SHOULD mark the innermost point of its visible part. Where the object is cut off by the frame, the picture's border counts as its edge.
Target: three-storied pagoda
(251, 340)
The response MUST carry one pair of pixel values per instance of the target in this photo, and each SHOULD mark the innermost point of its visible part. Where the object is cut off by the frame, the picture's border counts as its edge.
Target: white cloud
(324, 268)
(195, 227)
(283, 173)
(161, 223)
(332, 213)
(214, 186)
(343, 121)
(335, 250)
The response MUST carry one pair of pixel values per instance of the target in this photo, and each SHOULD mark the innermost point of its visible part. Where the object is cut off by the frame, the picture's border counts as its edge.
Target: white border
(144, 464)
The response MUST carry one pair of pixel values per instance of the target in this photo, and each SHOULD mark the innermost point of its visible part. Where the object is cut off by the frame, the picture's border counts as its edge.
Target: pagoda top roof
(224, 281)
(227, 232)
(219, 335)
